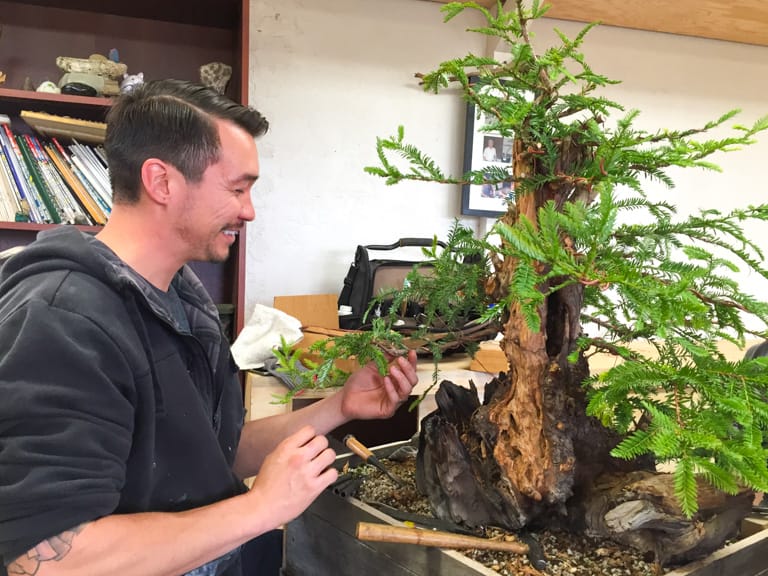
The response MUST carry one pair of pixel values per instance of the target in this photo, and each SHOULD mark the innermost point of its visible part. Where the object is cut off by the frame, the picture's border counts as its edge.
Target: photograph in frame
(485, 149)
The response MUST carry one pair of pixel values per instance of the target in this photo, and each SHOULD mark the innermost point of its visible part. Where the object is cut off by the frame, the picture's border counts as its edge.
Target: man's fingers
(302, 436)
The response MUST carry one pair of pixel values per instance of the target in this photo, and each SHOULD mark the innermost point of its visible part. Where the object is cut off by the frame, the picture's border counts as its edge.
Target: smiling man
(122, 444)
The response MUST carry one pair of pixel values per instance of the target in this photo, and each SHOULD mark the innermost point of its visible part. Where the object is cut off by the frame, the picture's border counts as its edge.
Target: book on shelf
(63, 165)
(21, 177)
(93, 170)
(54, 211)
(43, 180)
(71, 210)
(9, 202)
(54, 125)
(102, 198)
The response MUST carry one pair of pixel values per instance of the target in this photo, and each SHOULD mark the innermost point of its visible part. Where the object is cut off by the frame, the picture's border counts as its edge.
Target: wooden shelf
(13, 101)
(210, 13)
(156, 47)
(22, 233)
(28, 96)
(32, 227)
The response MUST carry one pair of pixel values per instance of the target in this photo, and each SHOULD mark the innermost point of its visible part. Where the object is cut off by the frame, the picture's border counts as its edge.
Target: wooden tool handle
(354, 444)
(403, 535)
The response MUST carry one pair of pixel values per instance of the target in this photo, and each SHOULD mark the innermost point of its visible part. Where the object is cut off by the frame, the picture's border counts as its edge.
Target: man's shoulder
(67, 290)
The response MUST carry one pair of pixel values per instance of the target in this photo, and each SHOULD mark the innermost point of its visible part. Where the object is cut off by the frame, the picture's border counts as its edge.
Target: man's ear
(156, 178)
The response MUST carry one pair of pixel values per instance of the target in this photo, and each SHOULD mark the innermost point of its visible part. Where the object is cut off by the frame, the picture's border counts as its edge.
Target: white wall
(333, 75)
(680, 82)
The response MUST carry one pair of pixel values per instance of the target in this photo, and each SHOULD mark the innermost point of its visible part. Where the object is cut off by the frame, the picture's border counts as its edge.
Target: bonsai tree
(564, 276)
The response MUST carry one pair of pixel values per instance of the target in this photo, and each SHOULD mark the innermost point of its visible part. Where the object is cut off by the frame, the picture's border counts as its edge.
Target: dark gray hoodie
(107, 404)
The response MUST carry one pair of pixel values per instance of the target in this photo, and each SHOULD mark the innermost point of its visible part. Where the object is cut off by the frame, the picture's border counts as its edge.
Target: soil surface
(565, 553)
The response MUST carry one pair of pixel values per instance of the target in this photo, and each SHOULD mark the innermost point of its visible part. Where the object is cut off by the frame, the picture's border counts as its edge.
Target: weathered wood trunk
(640, 509)
(531, 441)
(459, 471)
(544, 445)
(530, 454)
(541, 415)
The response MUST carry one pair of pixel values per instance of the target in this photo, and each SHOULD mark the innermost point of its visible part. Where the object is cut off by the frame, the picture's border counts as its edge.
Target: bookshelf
(169, 39)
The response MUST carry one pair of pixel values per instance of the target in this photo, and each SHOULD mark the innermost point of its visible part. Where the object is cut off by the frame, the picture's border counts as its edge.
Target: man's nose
(247, 211)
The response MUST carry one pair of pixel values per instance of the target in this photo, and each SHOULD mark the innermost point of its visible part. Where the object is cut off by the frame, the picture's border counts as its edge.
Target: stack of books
(43, 180)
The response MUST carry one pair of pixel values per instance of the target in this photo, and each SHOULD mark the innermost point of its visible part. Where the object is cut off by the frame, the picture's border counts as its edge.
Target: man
(489, 152)
(121, 449)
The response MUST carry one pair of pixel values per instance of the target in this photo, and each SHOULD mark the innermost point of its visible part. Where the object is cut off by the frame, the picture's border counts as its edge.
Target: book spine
(37, 180)
(12, 196)
(20, 176)
(90, 183)
(6, 194)
(94, 170)
(75, 167)
(72, 213)
(78, 190)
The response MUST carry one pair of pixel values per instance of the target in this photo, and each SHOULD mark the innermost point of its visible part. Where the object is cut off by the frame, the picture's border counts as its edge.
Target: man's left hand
(369, 395)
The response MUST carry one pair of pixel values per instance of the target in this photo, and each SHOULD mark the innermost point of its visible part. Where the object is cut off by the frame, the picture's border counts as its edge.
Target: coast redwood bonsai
(564, 274)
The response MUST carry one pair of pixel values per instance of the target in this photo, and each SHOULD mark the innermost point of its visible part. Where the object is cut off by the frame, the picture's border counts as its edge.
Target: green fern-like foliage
(660, 294)
(448, 285)
(666, 283)
(377, 345)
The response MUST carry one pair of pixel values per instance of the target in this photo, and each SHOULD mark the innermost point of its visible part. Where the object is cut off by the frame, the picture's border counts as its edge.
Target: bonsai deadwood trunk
(521, 455)
(530, 449)
(541, 417)
(531, 445)
(530, 454)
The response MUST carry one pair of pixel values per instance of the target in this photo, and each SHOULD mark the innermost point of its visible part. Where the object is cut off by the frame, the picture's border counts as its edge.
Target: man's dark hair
(173, 121)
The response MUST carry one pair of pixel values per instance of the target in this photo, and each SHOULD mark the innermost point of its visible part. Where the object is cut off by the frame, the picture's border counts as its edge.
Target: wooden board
(733, 20)
(753, 524)
(310, 309)
(743, 558)
(489, 358)
(65, 127)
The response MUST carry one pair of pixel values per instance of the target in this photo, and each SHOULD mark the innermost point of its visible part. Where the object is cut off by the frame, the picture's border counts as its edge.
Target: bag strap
(425, 242)
(358, 272)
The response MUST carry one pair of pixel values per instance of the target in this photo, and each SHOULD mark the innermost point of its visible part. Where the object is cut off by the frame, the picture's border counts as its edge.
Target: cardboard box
(310, 309)
(314, 334)
(319, 320)
(489, 358)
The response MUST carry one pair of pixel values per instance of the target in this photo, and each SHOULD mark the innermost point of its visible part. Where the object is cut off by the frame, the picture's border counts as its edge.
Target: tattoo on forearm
(54, 548)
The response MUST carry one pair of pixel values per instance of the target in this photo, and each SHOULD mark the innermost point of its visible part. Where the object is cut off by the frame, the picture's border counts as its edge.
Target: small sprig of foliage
(315, 367)
(448, 289)
(302, 372)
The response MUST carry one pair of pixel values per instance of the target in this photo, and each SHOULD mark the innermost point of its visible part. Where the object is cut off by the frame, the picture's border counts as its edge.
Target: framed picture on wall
(485, 149)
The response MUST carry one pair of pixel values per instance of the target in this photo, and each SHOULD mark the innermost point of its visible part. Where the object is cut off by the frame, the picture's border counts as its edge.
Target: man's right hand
(294, 474)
